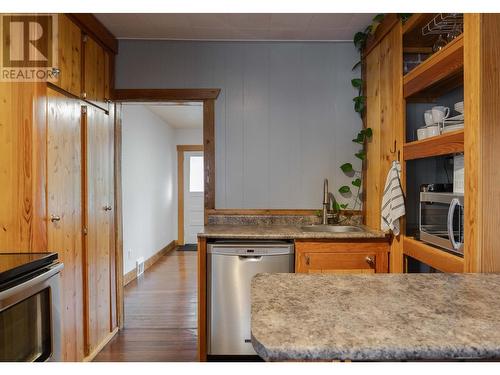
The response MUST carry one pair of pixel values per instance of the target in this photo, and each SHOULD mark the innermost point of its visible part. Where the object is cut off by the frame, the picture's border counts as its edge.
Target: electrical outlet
(129, 254)
(139, 264)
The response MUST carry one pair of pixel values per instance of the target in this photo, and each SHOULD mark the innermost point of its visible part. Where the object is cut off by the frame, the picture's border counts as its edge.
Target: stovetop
(15, 265)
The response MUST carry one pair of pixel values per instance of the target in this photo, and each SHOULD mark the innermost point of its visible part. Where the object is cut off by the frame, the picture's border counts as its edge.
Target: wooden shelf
(444, 144)
(432, 256)
(441, 71)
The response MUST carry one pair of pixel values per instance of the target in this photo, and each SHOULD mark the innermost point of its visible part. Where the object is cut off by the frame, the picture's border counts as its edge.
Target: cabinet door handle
(370, 260)
(308, 260)
(55, 218)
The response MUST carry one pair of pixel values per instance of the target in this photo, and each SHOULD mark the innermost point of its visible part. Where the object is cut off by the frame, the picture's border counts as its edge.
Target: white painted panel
(284, 120)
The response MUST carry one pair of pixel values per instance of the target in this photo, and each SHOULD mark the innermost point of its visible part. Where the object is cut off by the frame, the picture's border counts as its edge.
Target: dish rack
(443, 23)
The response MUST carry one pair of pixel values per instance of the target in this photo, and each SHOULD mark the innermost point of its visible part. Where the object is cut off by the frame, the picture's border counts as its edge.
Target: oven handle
(453, 205)
(31, 282)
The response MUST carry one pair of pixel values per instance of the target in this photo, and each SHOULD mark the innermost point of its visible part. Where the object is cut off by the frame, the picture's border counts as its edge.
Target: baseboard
(99, 347)
(131, 275)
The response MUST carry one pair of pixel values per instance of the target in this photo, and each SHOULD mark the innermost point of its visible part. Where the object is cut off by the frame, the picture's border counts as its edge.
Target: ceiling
(235, 26)
(179, 116)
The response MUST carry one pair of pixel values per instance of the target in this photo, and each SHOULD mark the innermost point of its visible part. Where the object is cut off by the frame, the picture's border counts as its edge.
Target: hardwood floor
(160, 314)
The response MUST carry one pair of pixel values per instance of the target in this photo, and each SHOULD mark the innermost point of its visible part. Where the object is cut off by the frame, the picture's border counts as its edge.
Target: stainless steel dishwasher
(231, 266)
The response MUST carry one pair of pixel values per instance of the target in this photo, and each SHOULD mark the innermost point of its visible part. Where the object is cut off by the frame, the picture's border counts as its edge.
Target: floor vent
(139, 266)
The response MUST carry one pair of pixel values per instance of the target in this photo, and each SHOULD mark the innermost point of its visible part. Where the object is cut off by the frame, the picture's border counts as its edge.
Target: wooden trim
(202, 299)
(444, 144)
(91, 25)
(448, 62)
(383, 29)
(209, 153)
(101, 345)
(434, 257)
(184, 148)
(180, 188)
(113, 276)
(131, 275)
(118, 215)
(271, 211)
(174, 95)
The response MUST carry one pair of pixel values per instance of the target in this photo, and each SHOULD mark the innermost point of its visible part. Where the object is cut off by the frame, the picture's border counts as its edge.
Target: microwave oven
(441, 220)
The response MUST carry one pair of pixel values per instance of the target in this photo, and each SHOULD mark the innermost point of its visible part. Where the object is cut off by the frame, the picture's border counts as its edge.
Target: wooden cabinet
(341, 257)
(94, 77)
(64, 213)
(98, 218)
(69, 76)
(384, 115)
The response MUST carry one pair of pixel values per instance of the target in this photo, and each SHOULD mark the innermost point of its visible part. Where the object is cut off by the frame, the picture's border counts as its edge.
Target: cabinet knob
(83, 95)
(108, 208)
(308, 260)
(55, 218)
(370, 260)
(56, 71)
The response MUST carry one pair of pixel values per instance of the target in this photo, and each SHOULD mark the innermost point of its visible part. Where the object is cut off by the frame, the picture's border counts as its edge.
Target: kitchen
(324, 177)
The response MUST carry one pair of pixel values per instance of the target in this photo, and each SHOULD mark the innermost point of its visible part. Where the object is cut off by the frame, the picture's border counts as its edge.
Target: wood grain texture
(341, 256)
(390, 20)
(202, 299)
(444, 144)
(22, 173)
(432, 256)
(132, 275)
(118, 233)
(482, 142)
(181, 95)
(99, 223)
(443, 64)
(94, 72)
(180, 188)
(64, 194)
(209, 152)
(412, 31)
(91, 25)
(70, 59)
(160, 314)
(373, 148)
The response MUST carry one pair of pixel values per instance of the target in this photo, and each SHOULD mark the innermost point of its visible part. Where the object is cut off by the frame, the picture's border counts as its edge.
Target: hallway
(160, 314)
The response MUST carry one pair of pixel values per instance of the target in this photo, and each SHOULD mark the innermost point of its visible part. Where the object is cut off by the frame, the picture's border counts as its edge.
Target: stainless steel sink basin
(331, 228)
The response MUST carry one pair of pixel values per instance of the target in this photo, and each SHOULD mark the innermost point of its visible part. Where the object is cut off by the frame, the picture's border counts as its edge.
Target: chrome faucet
(328, 199)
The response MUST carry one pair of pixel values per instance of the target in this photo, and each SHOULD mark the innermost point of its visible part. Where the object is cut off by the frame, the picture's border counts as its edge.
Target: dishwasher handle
(250, 250)
(250, 258)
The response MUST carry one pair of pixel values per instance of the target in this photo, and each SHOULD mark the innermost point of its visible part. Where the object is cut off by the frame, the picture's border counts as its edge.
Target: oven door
(441, 220)
(30, 319)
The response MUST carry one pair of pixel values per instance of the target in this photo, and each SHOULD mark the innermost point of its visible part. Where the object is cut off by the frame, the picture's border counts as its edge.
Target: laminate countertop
(384, 317)
(285, 232)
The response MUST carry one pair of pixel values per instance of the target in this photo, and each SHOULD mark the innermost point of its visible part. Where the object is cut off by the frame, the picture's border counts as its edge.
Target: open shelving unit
(439, 74)
(444, 144)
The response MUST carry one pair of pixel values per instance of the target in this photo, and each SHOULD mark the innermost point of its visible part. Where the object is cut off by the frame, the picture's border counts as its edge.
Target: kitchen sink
(331, 228)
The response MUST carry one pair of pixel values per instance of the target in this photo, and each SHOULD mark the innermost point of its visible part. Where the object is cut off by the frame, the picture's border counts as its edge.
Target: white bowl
(459, 107)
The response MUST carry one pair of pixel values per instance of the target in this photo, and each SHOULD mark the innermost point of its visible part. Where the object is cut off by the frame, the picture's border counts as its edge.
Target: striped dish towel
(393, 204)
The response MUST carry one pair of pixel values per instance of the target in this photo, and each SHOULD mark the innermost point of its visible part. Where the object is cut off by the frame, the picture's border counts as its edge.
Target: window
(196, 174)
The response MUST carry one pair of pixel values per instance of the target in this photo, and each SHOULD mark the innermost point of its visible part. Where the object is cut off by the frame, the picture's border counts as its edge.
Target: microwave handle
(453, 205)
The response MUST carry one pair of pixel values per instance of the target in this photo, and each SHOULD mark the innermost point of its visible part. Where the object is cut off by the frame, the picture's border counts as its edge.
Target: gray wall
(284, 119)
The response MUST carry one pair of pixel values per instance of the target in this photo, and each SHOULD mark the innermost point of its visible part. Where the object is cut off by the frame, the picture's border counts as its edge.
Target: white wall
(149, 181)
(284, 119)
(189, 136)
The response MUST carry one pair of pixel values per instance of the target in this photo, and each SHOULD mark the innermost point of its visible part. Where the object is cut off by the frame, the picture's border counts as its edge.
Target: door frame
(181, 149)
(206, 96)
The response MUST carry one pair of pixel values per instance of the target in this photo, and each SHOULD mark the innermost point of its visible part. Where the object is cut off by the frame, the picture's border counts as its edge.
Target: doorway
(191, 192)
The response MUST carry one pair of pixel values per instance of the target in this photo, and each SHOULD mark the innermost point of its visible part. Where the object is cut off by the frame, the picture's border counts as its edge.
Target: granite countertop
(376, 317)
(249, 231)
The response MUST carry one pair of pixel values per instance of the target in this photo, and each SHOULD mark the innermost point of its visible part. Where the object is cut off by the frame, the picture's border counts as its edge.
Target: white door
(193, 195)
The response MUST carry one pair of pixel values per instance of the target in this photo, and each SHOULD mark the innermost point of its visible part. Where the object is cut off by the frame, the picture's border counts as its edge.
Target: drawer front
(311, 262)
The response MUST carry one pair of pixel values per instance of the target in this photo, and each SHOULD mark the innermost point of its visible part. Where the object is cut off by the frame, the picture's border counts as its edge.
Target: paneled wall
(284, 119)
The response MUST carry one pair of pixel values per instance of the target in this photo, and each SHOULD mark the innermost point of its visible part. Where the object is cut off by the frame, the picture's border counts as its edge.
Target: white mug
(439, 113)
(428, 117)
(431, 131)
